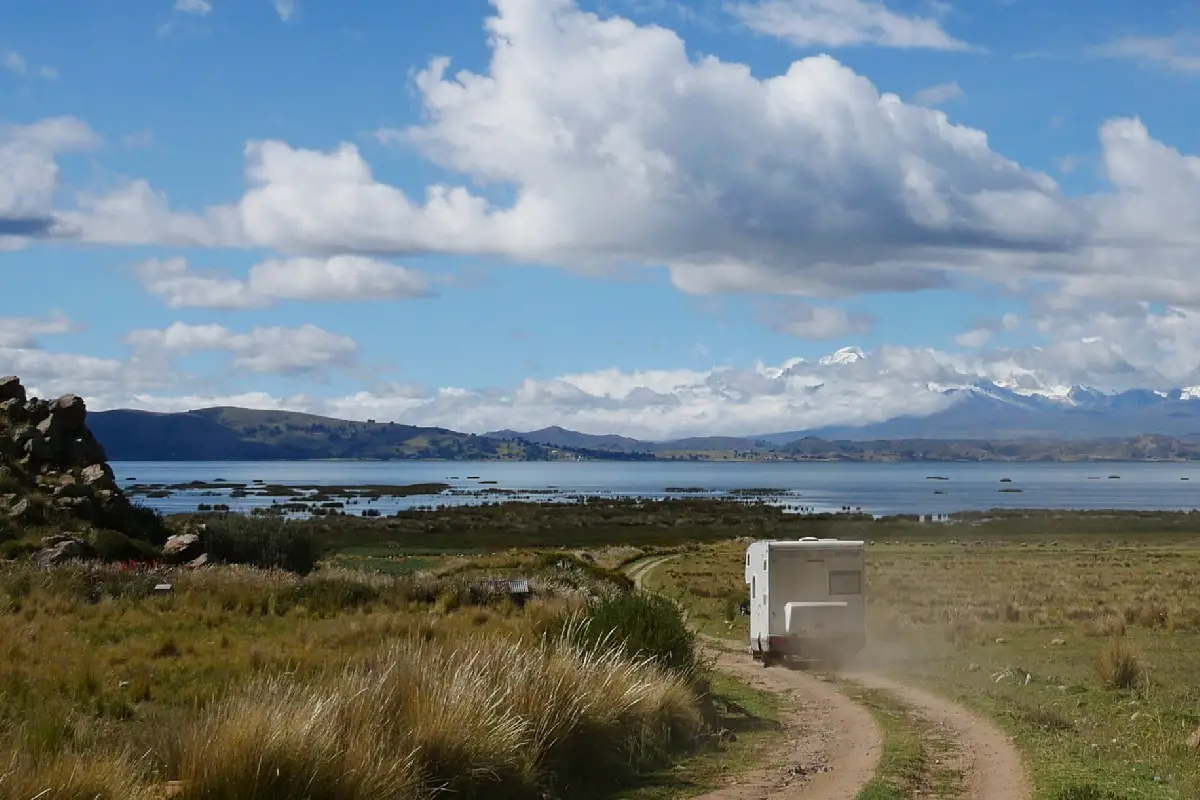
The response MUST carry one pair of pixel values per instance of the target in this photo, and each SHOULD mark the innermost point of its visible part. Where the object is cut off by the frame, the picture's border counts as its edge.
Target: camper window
(846, 581)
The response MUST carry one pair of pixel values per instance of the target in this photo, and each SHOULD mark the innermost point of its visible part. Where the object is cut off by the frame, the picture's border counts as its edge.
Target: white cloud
(14, 62)
(286, 9)
(823, 185)
(976, 337)
(340, 278)
(806, 321)
(268, 350)
(1134, 349)
(844, 23)
(200, 8)
(29, 174)
(938, 94)
(1069, 163)
(20, 333)
(1178, 53)
(808, 183)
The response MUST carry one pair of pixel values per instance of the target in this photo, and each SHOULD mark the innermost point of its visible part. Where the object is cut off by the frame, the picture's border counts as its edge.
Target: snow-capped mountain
(846, 355)
(1022, 406)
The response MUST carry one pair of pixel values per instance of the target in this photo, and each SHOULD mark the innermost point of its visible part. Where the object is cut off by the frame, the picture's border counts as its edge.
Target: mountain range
(982, 421)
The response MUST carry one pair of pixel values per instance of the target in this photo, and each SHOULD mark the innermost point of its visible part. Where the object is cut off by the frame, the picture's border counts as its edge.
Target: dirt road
(991, 767)
(830, 745)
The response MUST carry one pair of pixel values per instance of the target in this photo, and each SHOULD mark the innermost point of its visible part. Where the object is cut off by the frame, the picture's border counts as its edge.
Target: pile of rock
(53, 471)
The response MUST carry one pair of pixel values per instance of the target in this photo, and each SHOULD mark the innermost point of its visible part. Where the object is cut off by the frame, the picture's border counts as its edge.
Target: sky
(645, 217)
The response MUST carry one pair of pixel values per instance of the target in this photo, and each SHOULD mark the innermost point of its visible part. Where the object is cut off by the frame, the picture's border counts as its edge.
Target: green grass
(751, 715)
(970, 611)
(914, 753)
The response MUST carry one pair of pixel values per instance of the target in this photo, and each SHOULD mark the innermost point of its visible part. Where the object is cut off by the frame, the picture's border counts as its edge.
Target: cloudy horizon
(645, 219)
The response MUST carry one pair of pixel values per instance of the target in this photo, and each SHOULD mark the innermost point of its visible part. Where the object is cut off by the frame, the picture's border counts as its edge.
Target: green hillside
(236, 434)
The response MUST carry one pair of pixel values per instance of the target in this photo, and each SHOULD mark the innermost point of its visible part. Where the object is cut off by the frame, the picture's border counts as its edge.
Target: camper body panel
(806, 597)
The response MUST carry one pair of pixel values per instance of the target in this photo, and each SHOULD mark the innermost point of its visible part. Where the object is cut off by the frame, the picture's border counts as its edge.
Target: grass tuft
(1118, 666)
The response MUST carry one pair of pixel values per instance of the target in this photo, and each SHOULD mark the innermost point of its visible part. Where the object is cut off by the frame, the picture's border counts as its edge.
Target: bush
(261, 542)
(1118, 666)
(110, 545)
(327, 594)
(643, 625)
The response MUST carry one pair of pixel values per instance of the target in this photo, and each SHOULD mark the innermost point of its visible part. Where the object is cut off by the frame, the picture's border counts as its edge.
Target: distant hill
(988, 411)
(235, 434)
(226, 434)
(561, 437)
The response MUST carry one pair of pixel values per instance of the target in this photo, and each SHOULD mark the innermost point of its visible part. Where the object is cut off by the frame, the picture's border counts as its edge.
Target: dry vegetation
(243, 683)
(1085, 645)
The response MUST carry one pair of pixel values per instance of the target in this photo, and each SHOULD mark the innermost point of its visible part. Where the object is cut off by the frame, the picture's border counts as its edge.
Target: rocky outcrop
(52, 469)
(183, 547)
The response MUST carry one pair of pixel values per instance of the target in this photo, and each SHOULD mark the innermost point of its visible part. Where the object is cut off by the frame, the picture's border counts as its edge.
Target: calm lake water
(875, 488)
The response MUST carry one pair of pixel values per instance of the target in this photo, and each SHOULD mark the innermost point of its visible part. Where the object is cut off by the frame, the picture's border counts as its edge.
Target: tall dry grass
(486, 711)
(481, 717)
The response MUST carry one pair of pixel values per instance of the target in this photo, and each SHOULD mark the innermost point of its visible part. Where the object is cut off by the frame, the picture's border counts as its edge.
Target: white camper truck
(806, 599)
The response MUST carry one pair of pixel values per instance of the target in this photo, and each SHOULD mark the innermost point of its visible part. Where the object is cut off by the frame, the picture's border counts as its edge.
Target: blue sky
(636, 239)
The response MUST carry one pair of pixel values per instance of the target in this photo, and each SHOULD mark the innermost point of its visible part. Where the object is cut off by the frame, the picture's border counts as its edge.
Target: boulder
(183, 547)
(71, 490)
(70, 411)
(66, 549)
(11, 389)
(26, 512)
(98, 476)
(81, 507)
(53, 469)
(38, 447)
(13, 408)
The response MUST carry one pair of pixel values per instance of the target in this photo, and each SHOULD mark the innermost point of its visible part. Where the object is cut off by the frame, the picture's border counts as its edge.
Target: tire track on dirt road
(830, 744)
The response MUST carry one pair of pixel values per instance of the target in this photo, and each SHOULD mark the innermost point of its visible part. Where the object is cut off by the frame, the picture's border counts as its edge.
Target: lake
(898, 488)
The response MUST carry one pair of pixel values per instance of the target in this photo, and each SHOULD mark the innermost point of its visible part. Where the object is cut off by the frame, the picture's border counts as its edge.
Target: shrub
(643, 625)
(326, 594)
(110, 545)
(262, 542)
(1118, 666)
(479, 717)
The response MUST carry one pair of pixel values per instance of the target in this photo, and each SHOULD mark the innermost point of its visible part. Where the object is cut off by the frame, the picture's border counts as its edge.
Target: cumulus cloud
(267, 350)
(1137, 348)
(23, 332)
(807, 321)
(822, 183)
(798, 394)
(340, 278)
(29, 174)
(844, 23)
(617, 148)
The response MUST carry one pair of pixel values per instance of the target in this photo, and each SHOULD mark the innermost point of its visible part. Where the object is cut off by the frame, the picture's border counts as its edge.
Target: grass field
(1079, 634)
(245, 683)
